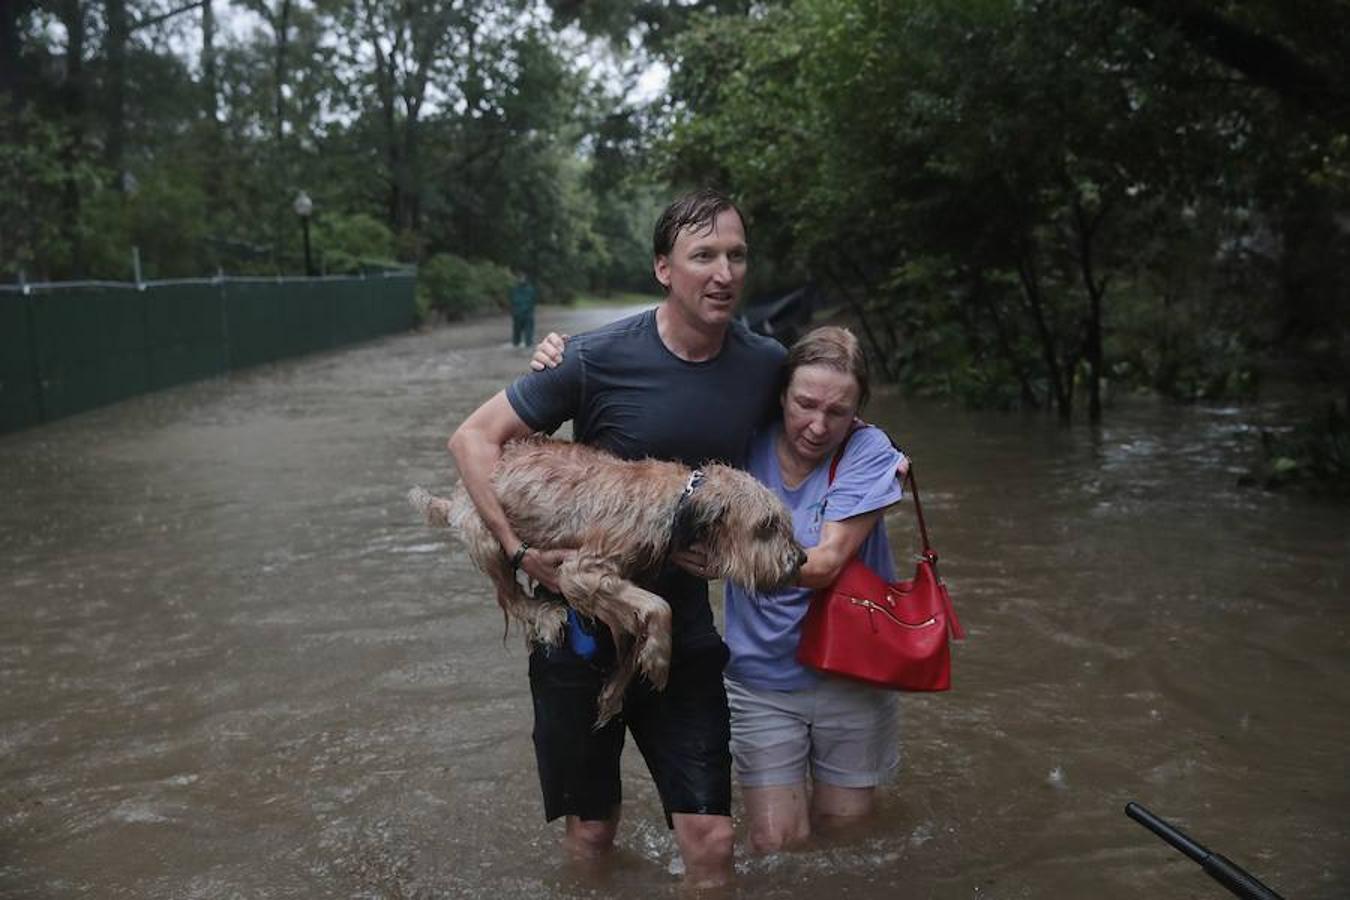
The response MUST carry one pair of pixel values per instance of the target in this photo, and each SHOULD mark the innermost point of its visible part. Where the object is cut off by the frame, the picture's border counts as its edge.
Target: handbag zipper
(871, 606)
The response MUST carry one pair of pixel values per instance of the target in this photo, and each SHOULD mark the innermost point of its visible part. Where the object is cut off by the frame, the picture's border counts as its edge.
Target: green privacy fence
(70, 347)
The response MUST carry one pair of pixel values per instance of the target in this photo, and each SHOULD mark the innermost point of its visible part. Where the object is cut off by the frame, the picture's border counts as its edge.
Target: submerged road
(234, 664)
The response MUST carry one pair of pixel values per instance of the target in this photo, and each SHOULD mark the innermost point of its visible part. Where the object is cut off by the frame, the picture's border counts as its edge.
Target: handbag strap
(954, 628)
(928, 551)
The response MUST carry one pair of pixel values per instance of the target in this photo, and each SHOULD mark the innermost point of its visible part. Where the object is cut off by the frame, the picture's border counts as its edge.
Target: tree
(989, 175)
(403, 44)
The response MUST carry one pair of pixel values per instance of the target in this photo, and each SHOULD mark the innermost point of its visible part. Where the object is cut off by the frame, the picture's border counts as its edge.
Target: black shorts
(683, 732)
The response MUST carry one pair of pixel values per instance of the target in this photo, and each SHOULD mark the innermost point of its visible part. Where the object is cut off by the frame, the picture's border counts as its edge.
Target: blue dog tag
(581, 640)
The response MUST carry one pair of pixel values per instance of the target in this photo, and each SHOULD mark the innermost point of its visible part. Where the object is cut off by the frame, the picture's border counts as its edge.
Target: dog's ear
(698, 519)
(709, 514)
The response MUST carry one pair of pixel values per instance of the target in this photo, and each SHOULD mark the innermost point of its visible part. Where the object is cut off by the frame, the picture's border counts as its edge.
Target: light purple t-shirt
(763, 630)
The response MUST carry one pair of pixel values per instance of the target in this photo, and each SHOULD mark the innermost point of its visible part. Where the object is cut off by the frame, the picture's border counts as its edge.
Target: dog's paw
(609, 703)
(653, 661)
(435, 509)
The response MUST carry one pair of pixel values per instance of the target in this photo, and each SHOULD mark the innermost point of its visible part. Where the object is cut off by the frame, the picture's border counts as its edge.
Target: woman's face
(818, 407)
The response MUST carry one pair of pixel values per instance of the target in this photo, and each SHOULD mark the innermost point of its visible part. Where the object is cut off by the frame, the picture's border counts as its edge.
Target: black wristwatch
(519, 556)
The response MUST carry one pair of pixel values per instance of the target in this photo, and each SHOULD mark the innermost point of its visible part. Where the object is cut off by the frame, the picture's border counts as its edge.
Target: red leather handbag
(891, 635)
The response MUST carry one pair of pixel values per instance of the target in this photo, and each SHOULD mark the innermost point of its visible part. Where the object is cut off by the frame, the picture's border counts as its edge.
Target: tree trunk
(282, 27)
(1164, 377)
(412, 188)
(211, 130)
(393, 152)
(11, 45)
(879, 354)
(385, 91)
(72, 15)
(1031, 293)
(281, 174)
(1093, 352)
(115, 111)
(887, 323)
(210, 90)
(1261, 59)
(979, 293)
(1086, 227)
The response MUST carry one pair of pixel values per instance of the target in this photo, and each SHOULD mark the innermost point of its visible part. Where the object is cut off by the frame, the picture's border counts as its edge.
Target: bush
(1315, 453)
(454, 287)
(348, 244)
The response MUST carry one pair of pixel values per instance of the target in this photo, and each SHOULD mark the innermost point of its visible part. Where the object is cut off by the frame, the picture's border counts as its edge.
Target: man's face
(704, 272)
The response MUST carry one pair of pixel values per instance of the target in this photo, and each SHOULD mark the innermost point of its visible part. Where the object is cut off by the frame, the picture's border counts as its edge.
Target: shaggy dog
(625, 519)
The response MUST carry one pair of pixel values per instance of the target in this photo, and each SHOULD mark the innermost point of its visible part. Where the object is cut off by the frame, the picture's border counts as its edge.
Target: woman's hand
(693, 560)
(549, 353)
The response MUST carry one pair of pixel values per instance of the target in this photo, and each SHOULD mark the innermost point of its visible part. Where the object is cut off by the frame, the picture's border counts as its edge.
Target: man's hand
(549, 353)
(542, 566)
(694, 560)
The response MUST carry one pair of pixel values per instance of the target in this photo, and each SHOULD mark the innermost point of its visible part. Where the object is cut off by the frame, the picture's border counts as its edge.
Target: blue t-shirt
(763, 630)
(625, 392)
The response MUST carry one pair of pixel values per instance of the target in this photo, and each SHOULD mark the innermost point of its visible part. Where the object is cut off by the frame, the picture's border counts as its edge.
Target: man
(683, 382)
(523, 297)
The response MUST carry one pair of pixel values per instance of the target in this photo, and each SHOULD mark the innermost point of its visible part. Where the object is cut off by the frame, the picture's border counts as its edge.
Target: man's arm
(476, 447)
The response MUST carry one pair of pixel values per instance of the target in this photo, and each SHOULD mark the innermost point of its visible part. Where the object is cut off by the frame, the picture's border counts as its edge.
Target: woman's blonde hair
(833, 347)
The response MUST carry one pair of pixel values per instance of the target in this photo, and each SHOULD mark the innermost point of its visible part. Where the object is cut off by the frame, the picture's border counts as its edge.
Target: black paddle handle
(1236, 879)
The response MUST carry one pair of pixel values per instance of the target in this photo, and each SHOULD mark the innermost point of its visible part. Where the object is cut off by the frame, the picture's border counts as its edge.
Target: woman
(789, 722)
(806, 746)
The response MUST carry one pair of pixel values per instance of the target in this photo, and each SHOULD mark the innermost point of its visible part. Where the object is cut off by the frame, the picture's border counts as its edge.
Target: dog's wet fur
(624, 518)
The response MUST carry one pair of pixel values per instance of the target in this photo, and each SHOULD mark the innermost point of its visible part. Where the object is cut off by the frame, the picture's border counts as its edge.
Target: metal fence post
(136, 268)
(35, 351)
(226, 355)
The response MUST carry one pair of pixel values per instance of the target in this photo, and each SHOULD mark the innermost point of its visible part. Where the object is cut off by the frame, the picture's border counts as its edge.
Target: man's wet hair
(698, 210)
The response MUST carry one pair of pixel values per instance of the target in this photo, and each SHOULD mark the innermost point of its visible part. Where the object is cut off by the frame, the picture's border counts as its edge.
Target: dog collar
(680, 529)
(695, 479)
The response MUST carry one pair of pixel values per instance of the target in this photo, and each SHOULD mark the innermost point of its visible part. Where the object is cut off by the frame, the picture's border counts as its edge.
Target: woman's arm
(549, 353)
(839, 542)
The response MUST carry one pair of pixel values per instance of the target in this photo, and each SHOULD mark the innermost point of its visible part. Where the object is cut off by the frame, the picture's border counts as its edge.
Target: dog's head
(747, 530)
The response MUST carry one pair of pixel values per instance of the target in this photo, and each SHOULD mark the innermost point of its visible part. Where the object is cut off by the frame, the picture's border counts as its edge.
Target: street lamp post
(304, 208)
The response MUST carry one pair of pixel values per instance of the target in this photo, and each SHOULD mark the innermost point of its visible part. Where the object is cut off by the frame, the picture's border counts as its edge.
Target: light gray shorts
(842, 732)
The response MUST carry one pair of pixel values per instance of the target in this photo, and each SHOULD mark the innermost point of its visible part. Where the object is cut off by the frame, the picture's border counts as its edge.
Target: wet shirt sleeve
(865, 480)
(545, 400)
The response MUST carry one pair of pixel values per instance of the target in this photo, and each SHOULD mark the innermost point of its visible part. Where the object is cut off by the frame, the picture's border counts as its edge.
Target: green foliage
(348, 244)
(1019, 198)
(164, 216)
(452, 127)
(35, 237)
(1315, 454)
(452, 287)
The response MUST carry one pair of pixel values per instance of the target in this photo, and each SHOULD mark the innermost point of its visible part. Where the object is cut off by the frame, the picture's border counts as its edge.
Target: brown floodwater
(234, 664)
